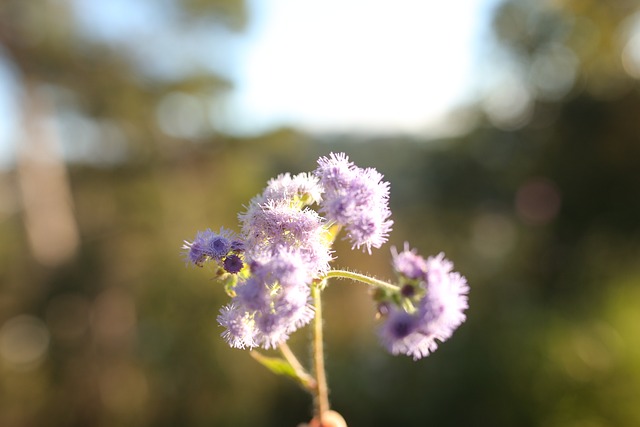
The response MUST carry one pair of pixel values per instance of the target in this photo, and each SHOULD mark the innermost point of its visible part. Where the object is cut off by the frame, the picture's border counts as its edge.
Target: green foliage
(280, 366)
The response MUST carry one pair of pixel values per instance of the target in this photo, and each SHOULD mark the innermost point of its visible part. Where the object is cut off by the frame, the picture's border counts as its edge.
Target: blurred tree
(98, 78)
(574, 58)
(550, 50)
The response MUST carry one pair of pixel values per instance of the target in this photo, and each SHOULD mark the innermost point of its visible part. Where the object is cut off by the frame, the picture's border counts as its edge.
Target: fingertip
(329, 419)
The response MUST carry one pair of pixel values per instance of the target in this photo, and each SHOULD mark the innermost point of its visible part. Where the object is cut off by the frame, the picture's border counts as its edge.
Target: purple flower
(335, 172)
(368, 228)
(443, 306)
(220, 244)
(277, 222)
(286, 246)
(271, 329)
(439, 312)
(209, 245)
(289, 310)
(304, 188)
(276, 296)
(276, 226)
(398, 326)
(253, 294)
(355, 198)
(232, 264)
(400, 334)
(438, 268)
(294, 305)
(287, 267)
(237, 246)
(239, 330)
(409, 264)
(195, 251)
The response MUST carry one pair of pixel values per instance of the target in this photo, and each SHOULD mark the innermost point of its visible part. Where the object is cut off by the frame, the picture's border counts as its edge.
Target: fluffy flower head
(239, 329)
(303, 188)
(440, 306)
(276, 226)
(355, 198)
(409, 264)
(275, 297)
(209, 245)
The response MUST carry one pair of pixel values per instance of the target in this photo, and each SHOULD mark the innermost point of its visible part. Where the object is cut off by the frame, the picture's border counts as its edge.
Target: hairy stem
(321, 395)
(344, 274)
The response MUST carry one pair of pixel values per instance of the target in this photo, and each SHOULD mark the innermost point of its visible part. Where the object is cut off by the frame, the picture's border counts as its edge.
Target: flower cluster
(430, 305)
(284, 249)
(286, 245)
(270, 304)
(357, 199)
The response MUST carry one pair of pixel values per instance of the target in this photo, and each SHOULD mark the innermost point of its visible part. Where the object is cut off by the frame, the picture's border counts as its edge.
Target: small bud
(408, 291)
(233, 264)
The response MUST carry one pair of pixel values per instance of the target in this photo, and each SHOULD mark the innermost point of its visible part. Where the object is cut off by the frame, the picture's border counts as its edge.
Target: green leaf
(280, 366)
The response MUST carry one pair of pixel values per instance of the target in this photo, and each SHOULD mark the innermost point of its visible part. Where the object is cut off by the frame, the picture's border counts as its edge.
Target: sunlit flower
(355, 198)
(446, 299)
(440, 310)
(409, 264)
(276, 296)
(285, 247)
(276, 226)
(239, 329)
(304, 188)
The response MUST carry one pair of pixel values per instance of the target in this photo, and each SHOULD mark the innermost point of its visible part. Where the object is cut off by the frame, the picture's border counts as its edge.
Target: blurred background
(508, 129)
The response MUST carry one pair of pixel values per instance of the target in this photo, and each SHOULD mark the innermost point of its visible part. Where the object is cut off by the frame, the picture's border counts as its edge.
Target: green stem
(321, 397)
(344, 274)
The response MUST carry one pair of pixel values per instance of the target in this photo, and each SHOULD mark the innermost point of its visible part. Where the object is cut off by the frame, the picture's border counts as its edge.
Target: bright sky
(321, 65)
(364, 65)
(8, 116)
